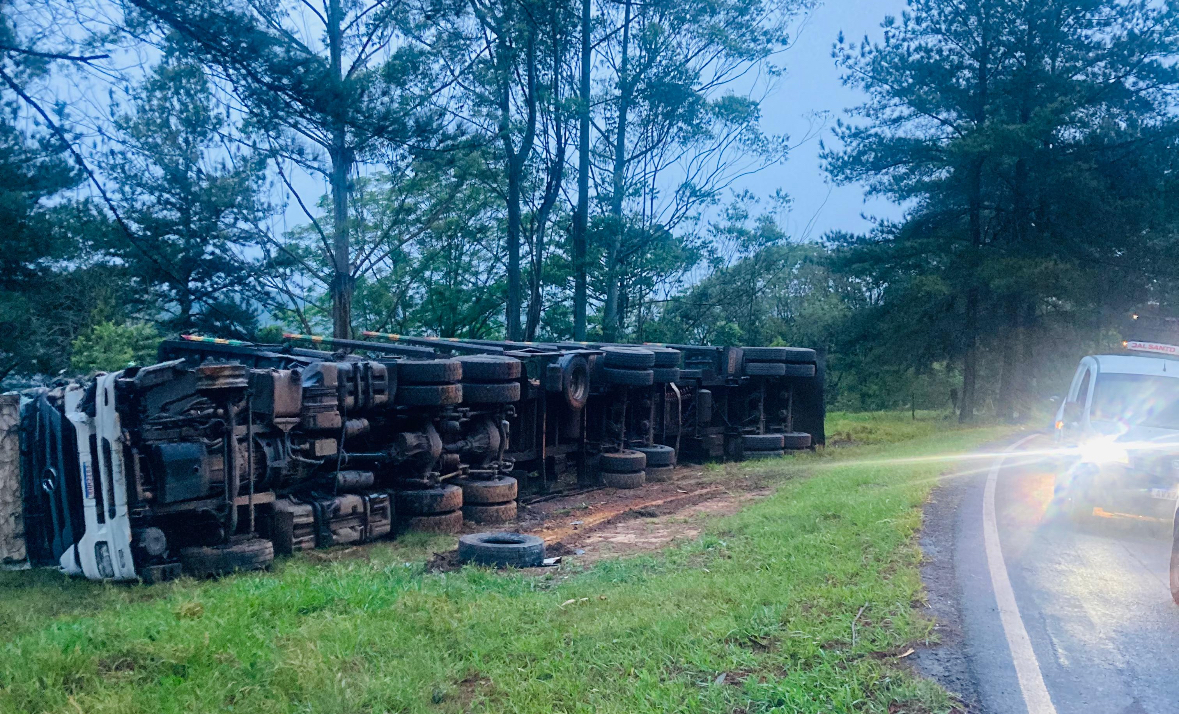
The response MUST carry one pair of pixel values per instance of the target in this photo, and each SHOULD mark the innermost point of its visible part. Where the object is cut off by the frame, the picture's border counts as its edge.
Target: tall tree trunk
(975, 199)
(341, 158)
(611, 322)
(515, 159)
(581, 216)
(514, 297)
(1005, 405)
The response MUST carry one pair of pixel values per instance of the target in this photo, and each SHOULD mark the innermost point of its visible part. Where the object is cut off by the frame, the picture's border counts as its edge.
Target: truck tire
(621, 462)
(665, 375)
(429, 395)
(799, 370)
(762, 442)
(490, 368)
(480, 393)
(628, 357)
(779, 354)
(436, 523)
(658, 455)
(211, 561)
(796, 440)
(429, 371)
(635, 479)
(630, 377)
(498, 490)
(660, 474)
(490, 513)
(575, 380)
(665, 357)
(516, 550)
(428, 501)
(765, 369)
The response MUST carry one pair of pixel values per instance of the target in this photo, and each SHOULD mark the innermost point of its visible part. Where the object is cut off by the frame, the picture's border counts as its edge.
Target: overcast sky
(812, 85)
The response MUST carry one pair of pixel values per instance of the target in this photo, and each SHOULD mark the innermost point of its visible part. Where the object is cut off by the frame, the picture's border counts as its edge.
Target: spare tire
(765, 369)
(428, 501)
(623, 461)
(628, 356)
(428, 395)
(635, 479)
(482, 393)
(429, 371)
(779, 354)
(796, 440)
(660, 474)
(490, 512)
(658, 455)
(664, 375)
(761, 442)
(630, 377)
(502, 550)
(437, 523)
(496, 490)
(575, 380)
(490, 368)
(252, 553)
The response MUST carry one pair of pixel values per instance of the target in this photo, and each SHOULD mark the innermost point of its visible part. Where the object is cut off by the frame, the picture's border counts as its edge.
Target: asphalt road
(1085, 621)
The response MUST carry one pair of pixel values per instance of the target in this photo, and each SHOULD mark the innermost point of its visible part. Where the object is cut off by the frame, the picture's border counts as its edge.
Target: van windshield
(1137, 399)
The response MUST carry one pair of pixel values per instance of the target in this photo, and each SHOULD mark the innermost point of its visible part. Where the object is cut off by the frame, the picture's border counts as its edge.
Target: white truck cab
(1120, 423)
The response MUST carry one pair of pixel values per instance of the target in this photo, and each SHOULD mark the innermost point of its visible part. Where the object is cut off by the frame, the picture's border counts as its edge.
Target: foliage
(108, 347)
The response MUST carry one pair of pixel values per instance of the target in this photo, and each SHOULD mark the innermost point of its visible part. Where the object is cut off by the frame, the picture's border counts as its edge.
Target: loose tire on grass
(498, 490)
(428, 395)
(799, 370)
(765, 369)
(480, 393)
(749, 455)
(660, 474)
(490, 368)
(621, 462)
(665, 375)
(628, 357)
(502, 550)
(796, 440)
(635, 479)
(658, 455)
(779, 354)
(429, 371)
(490, 513)
(428, 501)
(630, 377)
(437, 523)
(212, 561)
(762, 442)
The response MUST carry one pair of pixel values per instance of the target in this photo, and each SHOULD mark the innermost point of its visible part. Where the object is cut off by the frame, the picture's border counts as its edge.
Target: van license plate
(1166, 494)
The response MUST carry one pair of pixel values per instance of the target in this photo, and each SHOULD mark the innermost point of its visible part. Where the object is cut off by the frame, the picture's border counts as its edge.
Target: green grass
(865, 428)
(769, 598)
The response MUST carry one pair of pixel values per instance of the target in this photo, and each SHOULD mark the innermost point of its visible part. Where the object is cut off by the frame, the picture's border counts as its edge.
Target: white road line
(1027, 668)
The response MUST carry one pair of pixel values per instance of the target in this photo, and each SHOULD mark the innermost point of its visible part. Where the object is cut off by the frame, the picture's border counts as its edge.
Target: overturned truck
(225, 453)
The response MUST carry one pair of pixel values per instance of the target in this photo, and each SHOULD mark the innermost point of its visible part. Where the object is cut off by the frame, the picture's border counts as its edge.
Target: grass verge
(802, 602)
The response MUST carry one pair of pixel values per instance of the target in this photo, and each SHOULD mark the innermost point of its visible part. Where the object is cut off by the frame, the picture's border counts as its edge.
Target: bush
(109, 346)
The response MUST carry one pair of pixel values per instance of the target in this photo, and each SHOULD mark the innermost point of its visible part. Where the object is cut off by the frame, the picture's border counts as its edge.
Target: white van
(1121, 415)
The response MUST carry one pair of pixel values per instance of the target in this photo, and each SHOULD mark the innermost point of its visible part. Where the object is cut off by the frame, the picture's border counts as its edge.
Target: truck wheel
(665, 357)
(490, 513)
(796, 440)
(211, 561)
(502, 549)
(479, 393)
(621, 462)
(497, 490)
(635, 479)
(765, 369)
(575, 380)
(429, 371)
(490, 368)
(779, 354)
(429, 395)
(630, 377)
(629, 357)
(437, 523)
(427, 501)
(799, 370)
(658, 455)
(762, 442)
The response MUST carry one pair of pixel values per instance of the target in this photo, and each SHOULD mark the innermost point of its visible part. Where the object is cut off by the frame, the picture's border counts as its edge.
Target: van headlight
(1103, 451)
